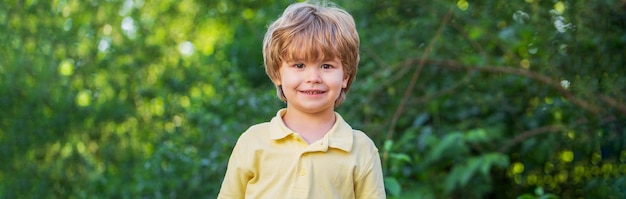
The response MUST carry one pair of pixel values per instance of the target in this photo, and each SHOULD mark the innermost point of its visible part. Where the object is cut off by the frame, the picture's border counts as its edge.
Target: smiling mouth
(313, 92)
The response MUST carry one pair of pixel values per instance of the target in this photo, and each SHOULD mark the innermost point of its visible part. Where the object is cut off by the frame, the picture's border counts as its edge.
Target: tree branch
(614, 103)
(530, 74)
(546, 80)
(409, 89)
(529, 134)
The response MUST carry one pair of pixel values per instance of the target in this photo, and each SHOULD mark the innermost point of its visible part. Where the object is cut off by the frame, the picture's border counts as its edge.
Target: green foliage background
(145, 99)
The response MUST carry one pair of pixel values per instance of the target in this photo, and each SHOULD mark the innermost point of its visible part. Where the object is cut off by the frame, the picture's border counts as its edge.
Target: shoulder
(363, 142)
(257, 128)
(255, 132)
(252, 139)
(360, 141)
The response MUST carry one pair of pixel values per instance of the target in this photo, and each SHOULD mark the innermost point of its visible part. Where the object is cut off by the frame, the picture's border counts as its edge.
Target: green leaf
(526, 196)
(452, 179)
(400, 156)
(539, 191)
(449, 143)
(392, 186)
(419, 120)
(498, 159)
(476, 135)
(549, 196)
(388, 144)
(469, 169)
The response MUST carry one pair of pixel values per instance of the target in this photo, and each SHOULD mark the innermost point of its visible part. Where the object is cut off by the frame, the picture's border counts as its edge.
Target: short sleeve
(370, 183)
(238, 173)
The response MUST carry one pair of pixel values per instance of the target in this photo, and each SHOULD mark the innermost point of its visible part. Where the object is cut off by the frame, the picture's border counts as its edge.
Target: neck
(311, 126)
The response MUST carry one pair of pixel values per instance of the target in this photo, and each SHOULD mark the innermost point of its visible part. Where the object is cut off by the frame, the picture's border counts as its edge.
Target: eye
(299, 65)
(327, 66)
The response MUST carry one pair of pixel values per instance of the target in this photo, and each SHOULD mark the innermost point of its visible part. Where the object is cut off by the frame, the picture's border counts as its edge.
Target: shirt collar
(339, 136)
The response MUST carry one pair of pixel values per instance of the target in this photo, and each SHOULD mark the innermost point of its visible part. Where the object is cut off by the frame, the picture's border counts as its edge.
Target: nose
(314, 75)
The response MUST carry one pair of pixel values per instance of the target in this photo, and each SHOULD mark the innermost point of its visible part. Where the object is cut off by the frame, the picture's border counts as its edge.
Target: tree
(464, 99)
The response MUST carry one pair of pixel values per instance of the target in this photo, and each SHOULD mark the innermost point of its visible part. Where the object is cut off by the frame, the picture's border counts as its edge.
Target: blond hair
(312, 31)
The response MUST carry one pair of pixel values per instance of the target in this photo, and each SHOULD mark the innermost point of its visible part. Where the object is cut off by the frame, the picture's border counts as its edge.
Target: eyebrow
(295, 60)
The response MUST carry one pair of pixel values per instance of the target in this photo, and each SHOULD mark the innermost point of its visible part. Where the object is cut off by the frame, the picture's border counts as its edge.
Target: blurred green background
(465, 99)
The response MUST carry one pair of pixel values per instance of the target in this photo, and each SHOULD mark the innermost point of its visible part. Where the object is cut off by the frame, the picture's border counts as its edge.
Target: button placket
(303, 164)
(301, 170)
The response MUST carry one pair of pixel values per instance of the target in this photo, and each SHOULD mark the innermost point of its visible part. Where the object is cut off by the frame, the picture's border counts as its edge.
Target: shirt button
(302, 172)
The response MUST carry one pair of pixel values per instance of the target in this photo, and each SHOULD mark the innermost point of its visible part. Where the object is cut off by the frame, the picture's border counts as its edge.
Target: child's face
(312, 86)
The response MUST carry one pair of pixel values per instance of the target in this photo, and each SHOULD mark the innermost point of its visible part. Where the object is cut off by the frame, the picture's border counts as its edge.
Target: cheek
(338, 81)
(283, 75)
(288, 80)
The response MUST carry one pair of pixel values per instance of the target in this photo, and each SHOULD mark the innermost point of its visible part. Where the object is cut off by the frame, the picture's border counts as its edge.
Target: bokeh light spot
(67, 67)
(83, 98)
(463, 5)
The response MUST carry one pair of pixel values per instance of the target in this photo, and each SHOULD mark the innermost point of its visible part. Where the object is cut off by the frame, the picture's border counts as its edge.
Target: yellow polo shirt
(271, 161)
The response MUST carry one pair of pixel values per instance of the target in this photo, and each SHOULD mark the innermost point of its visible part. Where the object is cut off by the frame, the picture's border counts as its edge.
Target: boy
(307, 150)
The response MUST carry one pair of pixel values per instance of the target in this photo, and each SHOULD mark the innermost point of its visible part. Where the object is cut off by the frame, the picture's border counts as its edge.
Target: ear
(345, 81)
(276, 81)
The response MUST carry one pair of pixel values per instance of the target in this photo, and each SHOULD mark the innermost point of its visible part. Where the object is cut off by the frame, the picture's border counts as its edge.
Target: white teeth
(313, 92)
